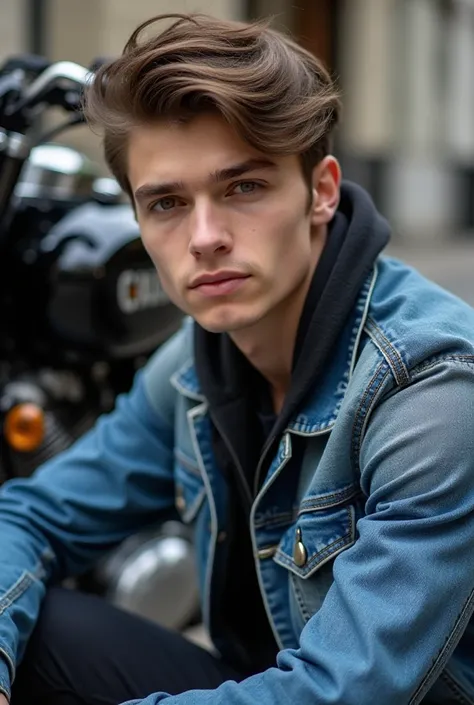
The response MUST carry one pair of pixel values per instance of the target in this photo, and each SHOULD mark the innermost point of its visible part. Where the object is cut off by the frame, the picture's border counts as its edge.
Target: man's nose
(209, 233)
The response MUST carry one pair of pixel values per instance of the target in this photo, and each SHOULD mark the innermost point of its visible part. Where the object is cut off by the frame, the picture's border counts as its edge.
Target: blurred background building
(406, 69)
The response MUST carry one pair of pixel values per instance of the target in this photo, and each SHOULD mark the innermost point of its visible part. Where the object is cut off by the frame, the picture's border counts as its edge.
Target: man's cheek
(168, 284)
(147, 244)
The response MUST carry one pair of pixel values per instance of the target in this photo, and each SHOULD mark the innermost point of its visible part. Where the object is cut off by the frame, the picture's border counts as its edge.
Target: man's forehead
(203, 129)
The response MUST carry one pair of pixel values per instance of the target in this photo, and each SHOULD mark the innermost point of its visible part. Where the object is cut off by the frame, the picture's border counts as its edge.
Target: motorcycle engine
(104, 292)
(95, 292)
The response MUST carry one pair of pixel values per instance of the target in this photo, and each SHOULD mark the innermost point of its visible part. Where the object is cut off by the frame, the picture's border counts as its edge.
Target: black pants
(83, 650)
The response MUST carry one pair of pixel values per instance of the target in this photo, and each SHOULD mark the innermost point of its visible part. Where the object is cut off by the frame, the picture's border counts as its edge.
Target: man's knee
(67, 622)
(61, 648)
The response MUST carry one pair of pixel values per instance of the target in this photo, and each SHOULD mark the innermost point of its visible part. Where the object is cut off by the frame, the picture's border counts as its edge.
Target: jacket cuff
(5, 675)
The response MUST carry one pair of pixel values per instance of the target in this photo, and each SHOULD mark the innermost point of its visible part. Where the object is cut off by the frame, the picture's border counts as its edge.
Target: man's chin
(224, 323)
(218, 327)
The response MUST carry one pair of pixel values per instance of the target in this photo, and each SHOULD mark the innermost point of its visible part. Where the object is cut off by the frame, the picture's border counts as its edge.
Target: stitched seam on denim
(390, 353)
(356, 333)
(316, 558)
(457, 690)
(18, 589)
(298, 593)
(445, 651)
(467, 360)
(383, 345)
(192, 424)
(364, 304)
(300, 428)
(21, 586)
(362, 413)
(369, 392)
(390, 348)
(325, 555)
(275, 520)
(361, 420)
(299, 598)
(322, 502)
(175, 381)
(187, 463)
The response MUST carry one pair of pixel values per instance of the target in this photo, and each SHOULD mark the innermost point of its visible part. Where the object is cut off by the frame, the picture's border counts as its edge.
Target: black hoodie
(247, 432)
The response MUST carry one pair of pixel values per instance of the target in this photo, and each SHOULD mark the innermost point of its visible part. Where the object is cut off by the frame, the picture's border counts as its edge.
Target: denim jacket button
(300, 555)
(180, 501)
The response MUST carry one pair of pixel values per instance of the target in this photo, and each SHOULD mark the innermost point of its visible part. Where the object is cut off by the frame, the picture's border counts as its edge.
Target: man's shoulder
(413, 318)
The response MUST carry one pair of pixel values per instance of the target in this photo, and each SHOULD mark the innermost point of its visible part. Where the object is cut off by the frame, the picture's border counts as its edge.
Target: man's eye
(246, 187)
(164, 204)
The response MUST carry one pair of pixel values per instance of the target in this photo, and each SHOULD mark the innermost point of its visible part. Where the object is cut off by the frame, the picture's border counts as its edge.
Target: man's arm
(114, 481)
(403, 594)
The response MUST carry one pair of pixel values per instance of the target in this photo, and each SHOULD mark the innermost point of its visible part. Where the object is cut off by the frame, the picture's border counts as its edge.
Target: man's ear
(326, 190)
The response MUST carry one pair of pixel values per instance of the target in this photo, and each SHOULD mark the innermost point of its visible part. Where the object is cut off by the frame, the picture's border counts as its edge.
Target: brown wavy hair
(278, 97)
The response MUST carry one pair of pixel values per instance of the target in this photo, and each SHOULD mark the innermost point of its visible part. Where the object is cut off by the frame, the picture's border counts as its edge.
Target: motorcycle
(82, 309)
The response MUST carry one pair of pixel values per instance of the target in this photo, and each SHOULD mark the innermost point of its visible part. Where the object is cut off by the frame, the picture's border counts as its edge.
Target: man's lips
(219, 284)
(217, 278)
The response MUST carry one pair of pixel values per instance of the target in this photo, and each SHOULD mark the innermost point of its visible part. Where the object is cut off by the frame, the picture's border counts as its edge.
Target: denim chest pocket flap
(189, 486)
(324, 527)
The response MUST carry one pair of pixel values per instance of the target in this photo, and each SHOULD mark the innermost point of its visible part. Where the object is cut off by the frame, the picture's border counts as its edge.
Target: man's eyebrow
(231, 172)
(151, 190)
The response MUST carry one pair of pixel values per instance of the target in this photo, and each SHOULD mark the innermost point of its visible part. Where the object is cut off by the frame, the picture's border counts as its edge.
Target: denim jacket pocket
(307, 550)
(316, 538)
(189, 487)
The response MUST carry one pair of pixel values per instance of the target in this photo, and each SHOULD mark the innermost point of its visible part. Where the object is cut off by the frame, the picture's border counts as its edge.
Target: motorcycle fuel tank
(104, 293)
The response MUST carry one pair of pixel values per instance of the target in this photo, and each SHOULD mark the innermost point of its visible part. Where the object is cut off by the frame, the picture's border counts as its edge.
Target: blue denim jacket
(376, 603)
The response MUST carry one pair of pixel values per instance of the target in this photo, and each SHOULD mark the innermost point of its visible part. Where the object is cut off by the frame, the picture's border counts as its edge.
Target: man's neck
(271, 352)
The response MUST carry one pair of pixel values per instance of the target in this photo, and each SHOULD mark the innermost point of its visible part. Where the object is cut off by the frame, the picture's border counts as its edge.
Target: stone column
(366, 60)
(13, 27)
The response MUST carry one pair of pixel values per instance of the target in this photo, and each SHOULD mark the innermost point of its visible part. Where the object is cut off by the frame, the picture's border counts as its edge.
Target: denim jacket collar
(320, 412)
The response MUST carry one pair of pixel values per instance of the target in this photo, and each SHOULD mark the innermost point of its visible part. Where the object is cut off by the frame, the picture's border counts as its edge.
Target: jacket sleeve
(115, 480)
(403, 594)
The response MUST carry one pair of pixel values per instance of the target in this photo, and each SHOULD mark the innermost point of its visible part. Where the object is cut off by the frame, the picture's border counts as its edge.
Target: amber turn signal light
(24, 427)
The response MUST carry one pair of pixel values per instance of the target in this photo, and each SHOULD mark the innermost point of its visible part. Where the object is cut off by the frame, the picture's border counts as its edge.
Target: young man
(314, 418)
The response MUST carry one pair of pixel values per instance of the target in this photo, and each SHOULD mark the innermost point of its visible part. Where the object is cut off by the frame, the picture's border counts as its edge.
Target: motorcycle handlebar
(53, 77)
(53, 86)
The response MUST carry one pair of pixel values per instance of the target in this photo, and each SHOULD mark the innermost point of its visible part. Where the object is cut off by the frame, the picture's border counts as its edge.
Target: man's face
(227, 227)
